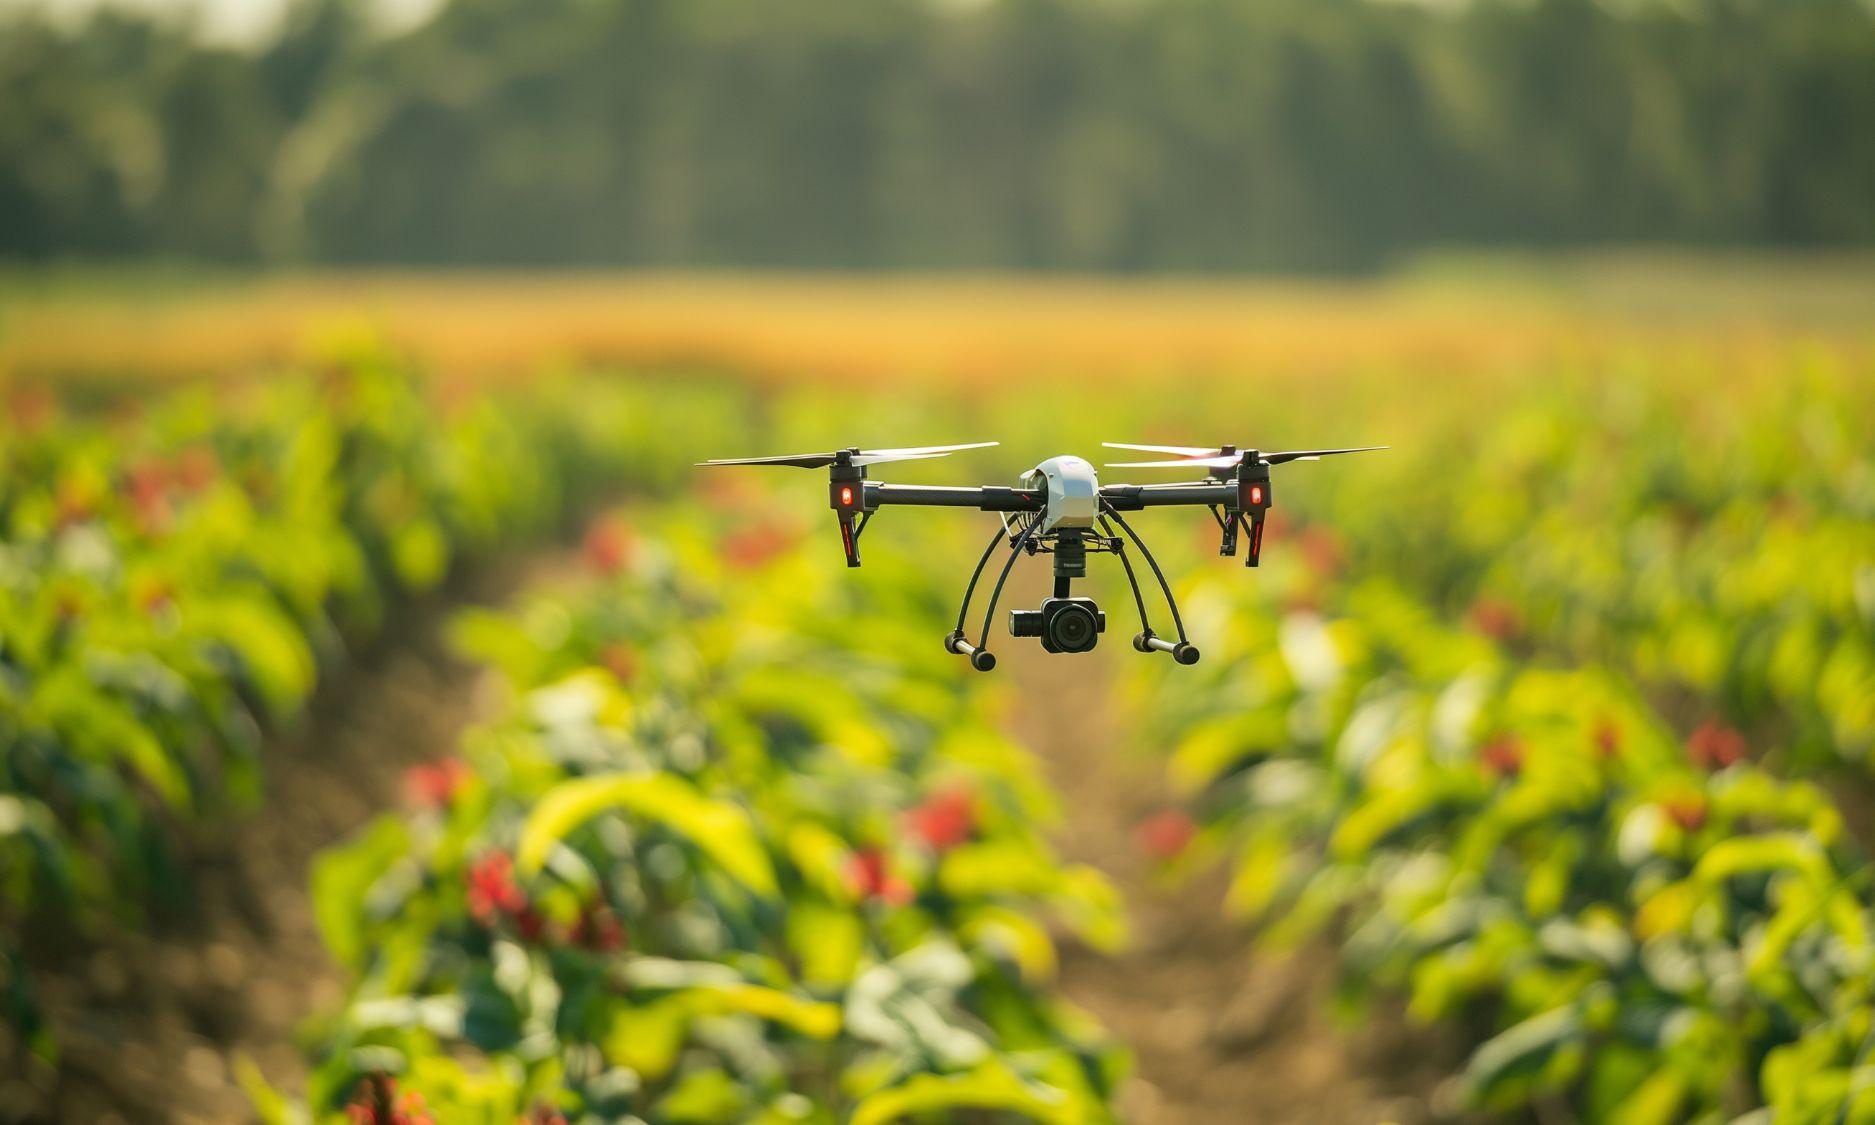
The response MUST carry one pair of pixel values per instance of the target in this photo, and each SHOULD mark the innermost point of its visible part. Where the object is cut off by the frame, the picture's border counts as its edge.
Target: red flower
(146, 484)
(72, 504)
(1496, 619)
(376, 1102)
(493, 893)
(529, 924)
(1320, 549)
(608, 546)
(196, 468)
(753, 547)
(729, 491)
(1165, 835)
(597, 929)
(1688, 810)
(435, 785)
(30, 408)
(620, 661)
(944, 819)
(1715, 746)
(155, 596)
(1607, 739)
(870, 874)
(1502, 756)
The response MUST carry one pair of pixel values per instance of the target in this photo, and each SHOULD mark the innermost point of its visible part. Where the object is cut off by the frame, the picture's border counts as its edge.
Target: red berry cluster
(1496, 619)
(751, 548)
(1688, 810)
(869, 872)
(1165, 834)
(597, 929)
(152, 483)
(944, 819)
(608, 546)
(1502, 756)
(435, 784)
(620, 661)
(1714, 746)
(1607, 739)
(377, 1102)
(497, 900)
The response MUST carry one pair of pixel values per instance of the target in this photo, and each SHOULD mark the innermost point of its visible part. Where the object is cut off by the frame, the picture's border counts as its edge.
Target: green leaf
(721, 830)
(343, 877)
(1519, 1050)
(1761, 854)
(991, 1086)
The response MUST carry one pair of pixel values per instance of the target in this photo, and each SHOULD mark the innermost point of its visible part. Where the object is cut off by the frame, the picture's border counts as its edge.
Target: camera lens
(1073, 628)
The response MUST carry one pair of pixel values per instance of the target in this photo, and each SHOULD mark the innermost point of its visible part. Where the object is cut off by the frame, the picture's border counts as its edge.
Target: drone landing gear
(1182, 650)
(980, 657)
(1070, 548)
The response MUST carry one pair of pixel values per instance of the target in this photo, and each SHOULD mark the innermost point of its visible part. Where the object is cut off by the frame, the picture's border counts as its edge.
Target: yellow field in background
(1462, 316)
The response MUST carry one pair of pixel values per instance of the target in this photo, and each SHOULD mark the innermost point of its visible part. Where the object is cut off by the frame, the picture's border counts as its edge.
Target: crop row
(718, 857)
(1718, 548)
(1648, 925)
(174, 577)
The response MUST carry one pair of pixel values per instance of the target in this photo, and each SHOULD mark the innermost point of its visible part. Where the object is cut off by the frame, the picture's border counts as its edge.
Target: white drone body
(1073, 492)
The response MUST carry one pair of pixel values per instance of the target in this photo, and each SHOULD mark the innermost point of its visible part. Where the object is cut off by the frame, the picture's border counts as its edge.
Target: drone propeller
(855, 457)
(1181, 450)
(1253, 482)
(846, 479)
(1214, 459)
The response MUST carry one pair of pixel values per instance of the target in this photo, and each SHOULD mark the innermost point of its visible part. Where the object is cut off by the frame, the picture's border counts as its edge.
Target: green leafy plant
(712, 863)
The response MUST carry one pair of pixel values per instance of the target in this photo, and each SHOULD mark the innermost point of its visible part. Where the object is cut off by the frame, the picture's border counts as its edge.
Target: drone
(1060, 508)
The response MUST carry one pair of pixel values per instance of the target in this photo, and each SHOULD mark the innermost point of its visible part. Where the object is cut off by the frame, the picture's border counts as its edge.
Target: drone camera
(1063, 624)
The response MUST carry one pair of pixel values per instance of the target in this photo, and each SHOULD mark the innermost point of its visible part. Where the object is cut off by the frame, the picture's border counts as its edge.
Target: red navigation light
(1256, 494)
(846, 496)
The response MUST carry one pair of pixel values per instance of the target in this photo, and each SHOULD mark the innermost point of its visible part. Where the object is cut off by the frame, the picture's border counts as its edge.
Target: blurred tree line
(1072, 134)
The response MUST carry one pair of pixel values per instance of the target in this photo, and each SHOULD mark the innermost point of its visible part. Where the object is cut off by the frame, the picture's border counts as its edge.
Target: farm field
(398, 729)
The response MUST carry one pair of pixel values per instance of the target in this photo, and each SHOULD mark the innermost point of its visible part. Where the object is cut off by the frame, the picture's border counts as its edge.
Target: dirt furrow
(151, 1022)
(1220, 1033)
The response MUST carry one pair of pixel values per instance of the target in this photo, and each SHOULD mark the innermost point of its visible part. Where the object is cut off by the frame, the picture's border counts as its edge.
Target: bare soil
(151, 1023)
(1220, 1032)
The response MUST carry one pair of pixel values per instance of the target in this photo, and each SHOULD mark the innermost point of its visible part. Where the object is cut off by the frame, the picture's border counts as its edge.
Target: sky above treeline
(238, 22)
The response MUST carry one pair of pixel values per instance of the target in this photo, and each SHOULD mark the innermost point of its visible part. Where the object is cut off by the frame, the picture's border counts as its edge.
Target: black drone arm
(1135, 497)
(1242, 499)
(988, 498)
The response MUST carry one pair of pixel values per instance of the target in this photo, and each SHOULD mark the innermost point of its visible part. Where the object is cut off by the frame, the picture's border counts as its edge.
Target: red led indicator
(846, 496)
(1256, 494)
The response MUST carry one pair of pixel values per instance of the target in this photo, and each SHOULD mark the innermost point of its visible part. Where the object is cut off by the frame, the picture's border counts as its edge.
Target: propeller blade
(1223, 462)
(863, 457)
(798, 460)
(1228, 460)
(931, 449)
(1315, 454)
(882, 457)
(1181, 450)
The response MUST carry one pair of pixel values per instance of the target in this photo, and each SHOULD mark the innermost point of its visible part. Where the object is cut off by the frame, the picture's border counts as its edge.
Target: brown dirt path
(150, 1023)
(1220, 1033)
